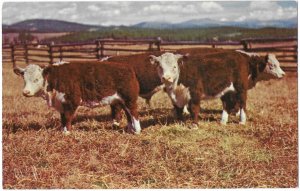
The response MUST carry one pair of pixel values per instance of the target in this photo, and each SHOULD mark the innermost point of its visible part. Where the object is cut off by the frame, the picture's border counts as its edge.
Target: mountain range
(206, 23)
(48, 25)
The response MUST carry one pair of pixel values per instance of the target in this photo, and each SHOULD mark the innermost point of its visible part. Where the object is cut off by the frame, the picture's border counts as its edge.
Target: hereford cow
(147, 76)
(213, 76)
(149, 81)
(90, 84)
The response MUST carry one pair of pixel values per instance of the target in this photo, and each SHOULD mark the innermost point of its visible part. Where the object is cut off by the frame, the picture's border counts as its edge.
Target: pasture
(167, 154)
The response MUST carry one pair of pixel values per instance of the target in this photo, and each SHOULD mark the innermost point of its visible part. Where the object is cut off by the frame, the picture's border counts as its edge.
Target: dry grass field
(167, 154)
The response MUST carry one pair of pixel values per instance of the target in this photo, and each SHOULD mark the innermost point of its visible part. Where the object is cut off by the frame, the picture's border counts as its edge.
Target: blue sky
(132, 12)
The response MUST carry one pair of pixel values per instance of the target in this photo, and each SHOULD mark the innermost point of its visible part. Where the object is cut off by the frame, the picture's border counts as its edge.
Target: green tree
(25, 37)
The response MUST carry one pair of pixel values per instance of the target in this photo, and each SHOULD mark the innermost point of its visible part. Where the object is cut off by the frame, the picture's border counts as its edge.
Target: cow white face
(167, 67)
(273, 67)
(33, 80)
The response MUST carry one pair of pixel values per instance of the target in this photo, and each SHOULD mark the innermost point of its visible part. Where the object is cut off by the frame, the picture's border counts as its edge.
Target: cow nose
(26, 92)
(167, 78)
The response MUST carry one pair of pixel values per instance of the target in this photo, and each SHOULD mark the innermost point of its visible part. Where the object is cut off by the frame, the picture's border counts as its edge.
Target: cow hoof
(66, 133)
(116, 124)
(242, 122)
(193, 126)
(186, 111)
(223, 122)
(131, 130)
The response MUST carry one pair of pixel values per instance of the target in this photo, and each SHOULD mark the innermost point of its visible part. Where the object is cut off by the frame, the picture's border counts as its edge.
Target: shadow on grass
(33, 125)
(148, 118)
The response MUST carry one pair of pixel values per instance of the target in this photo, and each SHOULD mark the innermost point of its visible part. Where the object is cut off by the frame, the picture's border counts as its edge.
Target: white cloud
(93, 8)
(131, 12)
(210, 6)
(259, 5)
(241, 18)
(68, 10)
(223, 19)
(270, 11)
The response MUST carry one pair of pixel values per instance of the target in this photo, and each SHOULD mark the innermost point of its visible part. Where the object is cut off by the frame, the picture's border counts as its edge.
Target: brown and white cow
(146, 73)
(69, 85)
(213, 76)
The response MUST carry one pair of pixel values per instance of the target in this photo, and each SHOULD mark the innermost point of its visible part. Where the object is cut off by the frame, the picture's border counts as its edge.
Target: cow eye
(36, 80)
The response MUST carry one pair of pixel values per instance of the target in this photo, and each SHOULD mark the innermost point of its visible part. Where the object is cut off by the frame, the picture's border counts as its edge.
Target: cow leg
(224, 118)
(243, 117)
(226, 108)
(63, 121)
(185, 110)
(194, 106)
(130, 109)
(66, 120)
(116, 114)
(179, 112)
(243, 98)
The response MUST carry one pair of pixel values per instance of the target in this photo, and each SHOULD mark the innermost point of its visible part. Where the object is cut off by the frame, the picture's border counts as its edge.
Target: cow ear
(46, 71)
(254, 67)
(267, 58)
(153, 60)
(43, 66)
(181, 58)
(19, 71)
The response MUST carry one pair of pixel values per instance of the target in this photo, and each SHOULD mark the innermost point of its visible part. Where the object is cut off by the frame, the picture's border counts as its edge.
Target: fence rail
(284, 48)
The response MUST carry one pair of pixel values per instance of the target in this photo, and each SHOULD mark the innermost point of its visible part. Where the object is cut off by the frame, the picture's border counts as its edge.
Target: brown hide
(214, 72)
(92, 81)
(210, 73)
(146, 73)
(257, 65)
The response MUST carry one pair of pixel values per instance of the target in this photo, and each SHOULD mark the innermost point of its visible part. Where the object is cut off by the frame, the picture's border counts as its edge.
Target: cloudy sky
(129, 12)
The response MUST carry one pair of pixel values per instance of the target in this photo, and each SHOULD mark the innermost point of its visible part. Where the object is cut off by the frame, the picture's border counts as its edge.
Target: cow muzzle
(167, 79)
(27, 93)
(281, 74)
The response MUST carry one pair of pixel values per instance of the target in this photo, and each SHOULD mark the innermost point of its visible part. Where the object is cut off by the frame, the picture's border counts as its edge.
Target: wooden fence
(284, 48)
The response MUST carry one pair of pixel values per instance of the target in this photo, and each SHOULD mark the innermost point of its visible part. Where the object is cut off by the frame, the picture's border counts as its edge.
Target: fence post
(102, 48)
(150, 46)
(60, 53)
(26, 53)
(98, 49)
(158, 42)
(50, 51)
(245, 44)
(13, 55)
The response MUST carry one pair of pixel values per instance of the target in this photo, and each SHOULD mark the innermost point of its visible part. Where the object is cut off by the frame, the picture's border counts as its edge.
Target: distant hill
(154, 25)
(207, 23)
(47, 25)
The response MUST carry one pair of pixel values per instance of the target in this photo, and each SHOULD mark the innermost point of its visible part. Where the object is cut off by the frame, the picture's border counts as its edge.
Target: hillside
(206, 22)
(46, 25)
(197, 34)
